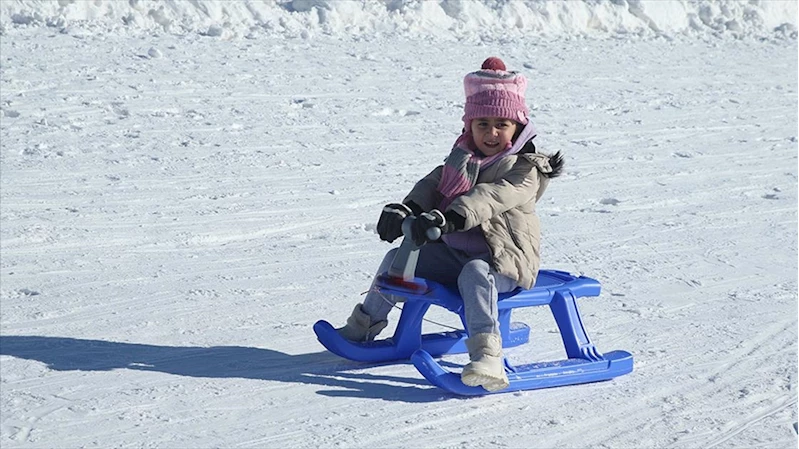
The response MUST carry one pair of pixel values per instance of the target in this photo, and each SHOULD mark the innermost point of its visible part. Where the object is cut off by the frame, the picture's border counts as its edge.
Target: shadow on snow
(322, 368)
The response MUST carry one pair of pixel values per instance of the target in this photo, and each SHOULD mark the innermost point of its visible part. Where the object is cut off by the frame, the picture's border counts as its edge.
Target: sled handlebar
(404, 263)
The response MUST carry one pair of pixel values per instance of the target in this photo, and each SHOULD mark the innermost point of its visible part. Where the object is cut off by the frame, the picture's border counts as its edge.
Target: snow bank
(463, 20)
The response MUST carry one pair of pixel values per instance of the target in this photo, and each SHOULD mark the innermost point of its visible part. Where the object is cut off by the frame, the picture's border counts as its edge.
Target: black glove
(389, 226)
(427, 227)
(453, 222)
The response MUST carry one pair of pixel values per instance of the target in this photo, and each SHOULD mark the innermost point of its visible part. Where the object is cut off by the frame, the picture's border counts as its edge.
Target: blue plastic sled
(557, 289)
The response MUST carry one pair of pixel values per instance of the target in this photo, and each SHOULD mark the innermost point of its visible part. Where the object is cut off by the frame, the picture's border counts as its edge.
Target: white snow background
(187, 187)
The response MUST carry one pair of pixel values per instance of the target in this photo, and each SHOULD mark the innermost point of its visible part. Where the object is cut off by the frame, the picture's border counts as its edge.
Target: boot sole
(490, 383)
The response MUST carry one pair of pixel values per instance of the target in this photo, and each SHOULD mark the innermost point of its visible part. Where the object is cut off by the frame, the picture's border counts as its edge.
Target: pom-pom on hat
(493, 63)
(493, 91)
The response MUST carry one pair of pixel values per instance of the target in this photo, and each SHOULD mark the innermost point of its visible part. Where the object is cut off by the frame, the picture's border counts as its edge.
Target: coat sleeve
(516, 187)
(425, 193)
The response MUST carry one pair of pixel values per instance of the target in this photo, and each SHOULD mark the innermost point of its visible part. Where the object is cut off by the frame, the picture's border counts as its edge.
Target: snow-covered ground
(452, 20)
(180, 204)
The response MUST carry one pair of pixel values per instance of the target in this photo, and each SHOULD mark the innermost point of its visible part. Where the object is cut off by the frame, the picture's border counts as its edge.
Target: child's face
(492, 134)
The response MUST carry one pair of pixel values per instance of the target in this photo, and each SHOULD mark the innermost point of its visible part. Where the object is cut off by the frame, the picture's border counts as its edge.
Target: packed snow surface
(186, 187)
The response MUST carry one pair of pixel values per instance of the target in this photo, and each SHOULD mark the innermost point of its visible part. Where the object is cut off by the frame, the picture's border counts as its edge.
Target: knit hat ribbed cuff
(493, 91)
(495, 103)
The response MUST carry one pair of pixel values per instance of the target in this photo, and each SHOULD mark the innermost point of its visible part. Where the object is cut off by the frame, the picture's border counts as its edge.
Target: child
(487, 189)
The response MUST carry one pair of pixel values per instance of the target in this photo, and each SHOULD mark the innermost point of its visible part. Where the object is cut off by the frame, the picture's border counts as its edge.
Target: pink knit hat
(492, 91)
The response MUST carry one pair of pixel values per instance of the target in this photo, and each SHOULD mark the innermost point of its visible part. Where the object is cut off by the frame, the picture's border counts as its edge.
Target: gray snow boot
(360, 327)
(487, 367)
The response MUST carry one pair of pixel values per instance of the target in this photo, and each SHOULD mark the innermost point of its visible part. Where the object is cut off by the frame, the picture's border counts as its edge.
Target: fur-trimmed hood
(549, 166)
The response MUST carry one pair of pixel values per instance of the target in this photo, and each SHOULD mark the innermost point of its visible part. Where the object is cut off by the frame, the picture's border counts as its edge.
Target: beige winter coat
(502, 204)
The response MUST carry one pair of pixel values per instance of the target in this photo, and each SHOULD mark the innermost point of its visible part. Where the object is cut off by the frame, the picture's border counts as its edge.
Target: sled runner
(557, 289)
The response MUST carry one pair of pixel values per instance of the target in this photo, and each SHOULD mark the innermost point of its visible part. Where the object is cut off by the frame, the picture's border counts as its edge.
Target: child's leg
(437, 262)
(479, 286)
(369, 319)
(440, 263)
(376, 304)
